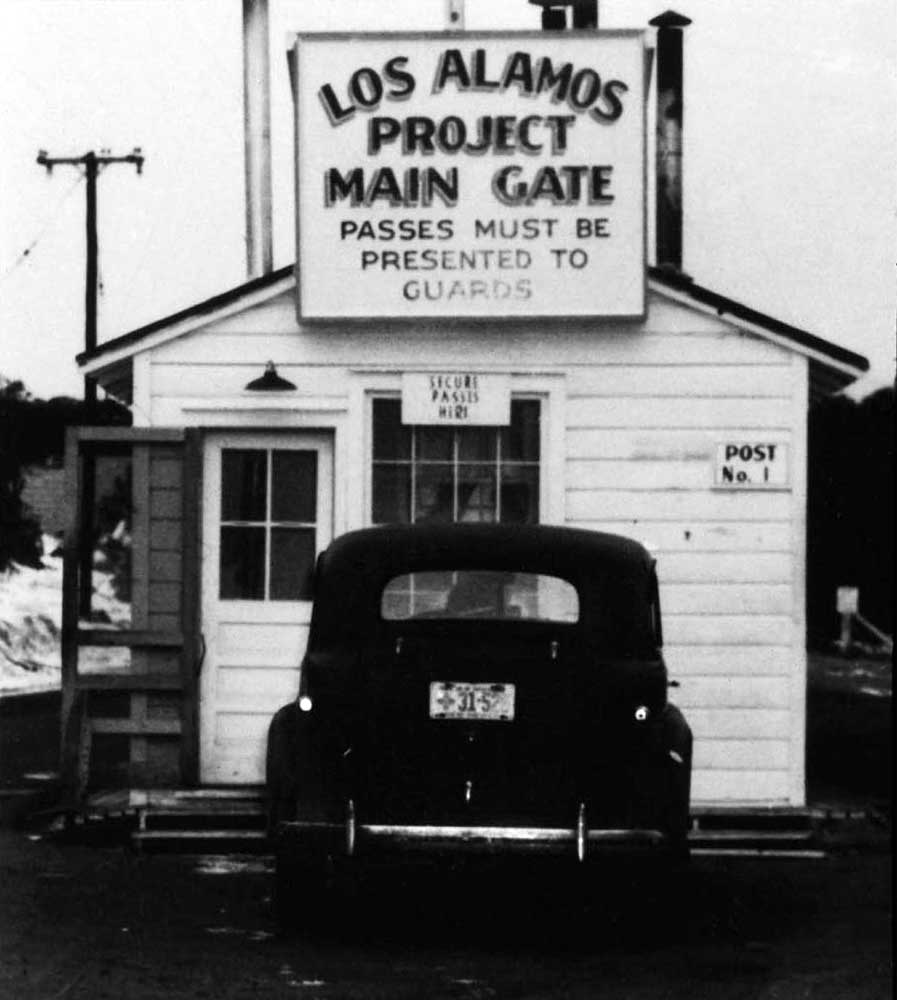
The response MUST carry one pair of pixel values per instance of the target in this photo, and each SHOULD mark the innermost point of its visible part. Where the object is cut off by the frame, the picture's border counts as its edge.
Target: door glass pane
(242, 566)
(392, 494)
(292, 563)
(243, 485)
(434, 493)
(294, 486)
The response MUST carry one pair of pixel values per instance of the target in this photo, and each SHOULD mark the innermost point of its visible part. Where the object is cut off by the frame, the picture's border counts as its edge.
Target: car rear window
(480, 595)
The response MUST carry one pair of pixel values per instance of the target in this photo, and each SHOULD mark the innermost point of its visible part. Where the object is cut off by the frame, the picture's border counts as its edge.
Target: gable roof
(723, 306)
(840, 366)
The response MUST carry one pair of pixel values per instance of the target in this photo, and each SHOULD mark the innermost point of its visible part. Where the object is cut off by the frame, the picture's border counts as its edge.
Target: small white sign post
(848, 603)
(456, 398)
(751, 465)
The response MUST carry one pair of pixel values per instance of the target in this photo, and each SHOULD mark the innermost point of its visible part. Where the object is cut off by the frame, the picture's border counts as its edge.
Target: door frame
(214, 441)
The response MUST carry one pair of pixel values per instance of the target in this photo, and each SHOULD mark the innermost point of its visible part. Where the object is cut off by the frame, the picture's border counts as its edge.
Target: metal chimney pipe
(585, 14)
(554, 13)
(669, 139)
(257, 138)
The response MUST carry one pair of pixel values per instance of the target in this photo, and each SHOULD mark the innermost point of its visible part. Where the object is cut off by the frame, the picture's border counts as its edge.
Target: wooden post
(70, 736)
(193, 650)
(846, 630)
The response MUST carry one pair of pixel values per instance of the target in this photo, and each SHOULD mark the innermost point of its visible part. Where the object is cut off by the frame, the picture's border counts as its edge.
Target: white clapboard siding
(740, 723)
(664, 317)
(754, 630)
(727, 598)
(741, 755)
(605, 474)
(663, 537)
(773, 380)
(402, 347)
(728, 661)
(733, 692)
(682, 411)
(717, 786)
(593, 505)
(221, 378)
(724, 567)
(645, 407)
(660, 443)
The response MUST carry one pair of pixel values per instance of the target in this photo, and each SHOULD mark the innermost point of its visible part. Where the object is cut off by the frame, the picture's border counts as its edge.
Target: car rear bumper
(380, 841)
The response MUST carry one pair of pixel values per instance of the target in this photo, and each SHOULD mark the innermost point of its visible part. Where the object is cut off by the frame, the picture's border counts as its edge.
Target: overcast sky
(790, 154)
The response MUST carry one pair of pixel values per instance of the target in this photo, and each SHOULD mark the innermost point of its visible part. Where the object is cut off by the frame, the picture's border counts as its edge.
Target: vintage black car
(477, 689)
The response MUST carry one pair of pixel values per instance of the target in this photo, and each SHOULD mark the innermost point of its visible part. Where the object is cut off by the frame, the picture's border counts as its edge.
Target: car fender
(281, 765)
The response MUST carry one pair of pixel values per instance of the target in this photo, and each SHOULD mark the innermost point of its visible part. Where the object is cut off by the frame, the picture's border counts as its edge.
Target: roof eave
(685, 289)
(233, 300)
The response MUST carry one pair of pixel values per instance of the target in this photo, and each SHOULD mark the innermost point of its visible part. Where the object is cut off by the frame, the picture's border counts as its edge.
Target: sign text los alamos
(501, 175)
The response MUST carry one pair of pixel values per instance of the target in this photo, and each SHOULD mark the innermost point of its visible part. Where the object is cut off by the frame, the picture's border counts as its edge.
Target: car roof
(537, 548)
(611, 573)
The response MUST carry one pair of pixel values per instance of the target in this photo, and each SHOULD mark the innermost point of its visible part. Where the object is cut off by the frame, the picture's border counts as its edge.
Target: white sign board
(456, 398)
(848, 600)
(751, 465)
(478, 175)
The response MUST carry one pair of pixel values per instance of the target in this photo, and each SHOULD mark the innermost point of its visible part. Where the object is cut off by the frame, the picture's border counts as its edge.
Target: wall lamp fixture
(270, 381)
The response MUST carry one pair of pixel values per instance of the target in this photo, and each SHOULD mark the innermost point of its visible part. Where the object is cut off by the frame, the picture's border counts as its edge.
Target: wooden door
(267, 513)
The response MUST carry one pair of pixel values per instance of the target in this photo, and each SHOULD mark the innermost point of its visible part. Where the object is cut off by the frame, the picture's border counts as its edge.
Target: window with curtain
(423, 473)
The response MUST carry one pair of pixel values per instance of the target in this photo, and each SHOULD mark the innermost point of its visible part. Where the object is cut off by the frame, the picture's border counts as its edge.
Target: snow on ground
(30, 625)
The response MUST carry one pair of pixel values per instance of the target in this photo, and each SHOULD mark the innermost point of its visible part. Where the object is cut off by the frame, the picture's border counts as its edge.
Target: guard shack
(470, 333)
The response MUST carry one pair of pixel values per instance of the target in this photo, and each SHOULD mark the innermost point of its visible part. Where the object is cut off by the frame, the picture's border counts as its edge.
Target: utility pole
(91, 162)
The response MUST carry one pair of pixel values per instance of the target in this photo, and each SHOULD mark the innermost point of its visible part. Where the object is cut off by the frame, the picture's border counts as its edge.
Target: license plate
(463, 700)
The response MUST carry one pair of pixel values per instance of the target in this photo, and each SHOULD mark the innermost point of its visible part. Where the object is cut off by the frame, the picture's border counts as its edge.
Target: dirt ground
(88, 923)
(85, 923)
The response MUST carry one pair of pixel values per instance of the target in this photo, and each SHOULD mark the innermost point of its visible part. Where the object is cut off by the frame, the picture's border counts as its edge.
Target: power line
(51, 220)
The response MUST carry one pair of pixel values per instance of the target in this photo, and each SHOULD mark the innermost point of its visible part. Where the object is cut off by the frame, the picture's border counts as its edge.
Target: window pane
(242, 568)
(476, 493)
(434, 444)
(519, 494)
(243, 485)
(392, 440)
(520, 441)
(294, 486)
(417, 595)
(392, 494)
(292, 563)
(477, 444)
(480, 594)
(434, 495)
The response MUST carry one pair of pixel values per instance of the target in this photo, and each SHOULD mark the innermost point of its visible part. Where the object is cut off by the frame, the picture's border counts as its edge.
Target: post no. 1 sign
(479, 175)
